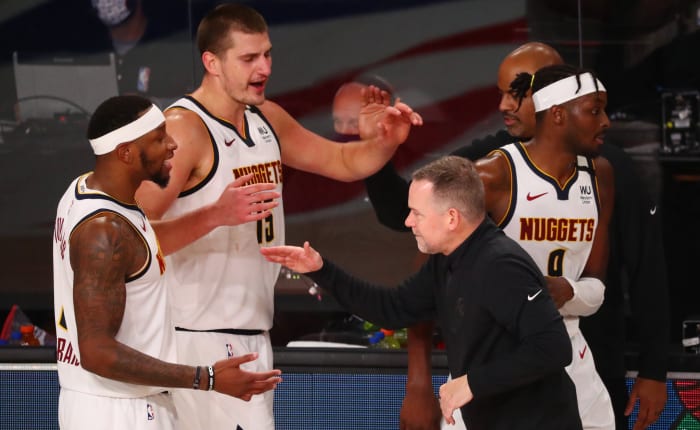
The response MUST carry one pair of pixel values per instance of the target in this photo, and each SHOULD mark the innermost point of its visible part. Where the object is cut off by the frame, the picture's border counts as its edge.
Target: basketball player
(115, 343)
(222, 288)
(556, 201)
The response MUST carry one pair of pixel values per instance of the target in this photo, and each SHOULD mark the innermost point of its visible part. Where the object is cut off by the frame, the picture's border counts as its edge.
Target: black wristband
(210, 369)
(195, 384)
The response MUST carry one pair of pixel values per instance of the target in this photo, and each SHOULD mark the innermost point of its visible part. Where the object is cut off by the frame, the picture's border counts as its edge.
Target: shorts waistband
(237, 331)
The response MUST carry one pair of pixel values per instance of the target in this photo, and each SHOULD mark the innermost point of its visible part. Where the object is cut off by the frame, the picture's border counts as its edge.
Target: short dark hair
(457, 183)
(215, 26)
(116, 112)
(545, 76)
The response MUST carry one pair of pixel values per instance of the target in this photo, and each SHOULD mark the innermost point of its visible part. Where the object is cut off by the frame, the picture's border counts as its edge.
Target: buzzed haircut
(214, 29)
(545, 76)
(456, 183)
(116, 112)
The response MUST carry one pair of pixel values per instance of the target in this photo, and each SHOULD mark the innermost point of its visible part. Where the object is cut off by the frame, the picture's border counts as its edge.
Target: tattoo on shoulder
(105, 249)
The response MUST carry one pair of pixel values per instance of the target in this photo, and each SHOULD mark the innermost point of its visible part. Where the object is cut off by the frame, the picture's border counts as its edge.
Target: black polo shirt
(499, 323)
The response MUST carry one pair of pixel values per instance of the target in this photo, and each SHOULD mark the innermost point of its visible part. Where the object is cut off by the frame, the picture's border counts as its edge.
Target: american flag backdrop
(441, 57)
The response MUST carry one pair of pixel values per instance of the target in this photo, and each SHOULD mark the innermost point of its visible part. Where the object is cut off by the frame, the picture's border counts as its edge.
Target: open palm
(298, 259)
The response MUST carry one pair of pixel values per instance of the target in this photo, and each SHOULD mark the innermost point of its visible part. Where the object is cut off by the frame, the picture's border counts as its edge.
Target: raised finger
(263, 196)
(385, 97)
(264, 206)
(644, 419)
(257, 215)
(261, 387)
(403, 108)
(268, 375)
(260, 187)
(237, 361)
(241, 180)
(267, 384)
(255, 206)
(416, 119)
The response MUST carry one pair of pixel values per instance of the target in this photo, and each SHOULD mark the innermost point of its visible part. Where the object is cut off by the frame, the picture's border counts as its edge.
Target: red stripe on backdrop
(304, 192)
(319, 97)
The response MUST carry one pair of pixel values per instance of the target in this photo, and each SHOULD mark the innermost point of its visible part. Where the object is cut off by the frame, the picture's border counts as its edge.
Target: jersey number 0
(555, 264)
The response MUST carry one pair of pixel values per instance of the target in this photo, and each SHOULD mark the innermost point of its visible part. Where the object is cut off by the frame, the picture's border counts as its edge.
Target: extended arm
(382, 127)
(397, 307)
(104, 251)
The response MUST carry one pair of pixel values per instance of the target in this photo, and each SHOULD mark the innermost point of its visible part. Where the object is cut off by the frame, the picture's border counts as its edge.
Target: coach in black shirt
(506, 342)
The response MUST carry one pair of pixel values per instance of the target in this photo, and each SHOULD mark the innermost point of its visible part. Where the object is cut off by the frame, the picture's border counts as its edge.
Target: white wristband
(588, 296)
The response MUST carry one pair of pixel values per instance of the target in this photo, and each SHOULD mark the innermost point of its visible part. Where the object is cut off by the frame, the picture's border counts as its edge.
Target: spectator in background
(151, 41)
(154, 55)
(347, 103)
(346, 109)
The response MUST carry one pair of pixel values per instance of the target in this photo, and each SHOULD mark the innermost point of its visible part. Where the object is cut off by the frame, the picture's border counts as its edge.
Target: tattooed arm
(104, 251)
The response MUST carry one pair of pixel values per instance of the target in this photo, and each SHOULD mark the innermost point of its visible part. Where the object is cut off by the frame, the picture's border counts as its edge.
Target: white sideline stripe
(27, 366)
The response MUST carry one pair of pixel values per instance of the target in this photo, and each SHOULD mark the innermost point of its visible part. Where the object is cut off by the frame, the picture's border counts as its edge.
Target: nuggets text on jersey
(270, 172)
(557, 229)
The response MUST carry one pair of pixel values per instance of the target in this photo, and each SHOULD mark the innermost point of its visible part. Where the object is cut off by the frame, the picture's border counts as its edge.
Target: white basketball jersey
(555, 224)
(221, 281)
(146, 324)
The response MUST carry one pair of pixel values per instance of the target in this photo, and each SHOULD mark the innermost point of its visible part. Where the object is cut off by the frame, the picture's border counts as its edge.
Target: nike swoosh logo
(536, 196)
(229, 142)
(143, 224)
(582, 353)
(532, 297)
(652, 210)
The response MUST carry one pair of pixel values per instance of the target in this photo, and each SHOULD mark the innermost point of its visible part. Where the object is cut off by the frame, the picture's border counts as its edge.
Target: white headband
(132, 131)
(564, 90)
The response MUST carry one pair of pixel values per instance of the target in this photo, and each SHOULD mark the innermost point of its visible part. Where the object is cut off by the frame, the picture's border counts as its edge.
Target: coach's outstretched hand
(230, 379)
(300, 260)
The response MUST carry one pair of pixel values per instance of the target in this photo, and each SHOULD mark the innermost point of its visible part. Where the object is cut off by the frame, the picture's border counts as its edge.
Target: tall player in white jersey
(555, 197)
(222, 288)
(115, 347)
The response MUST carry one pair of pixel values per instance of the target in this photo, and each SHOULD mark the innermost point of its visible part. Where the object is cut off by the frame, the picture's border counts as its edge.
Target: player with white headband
(115, 353)
(149, 121)
(566, 89)
(554, 195)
